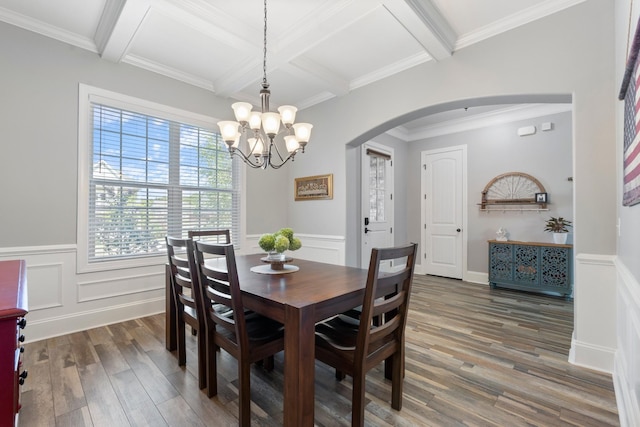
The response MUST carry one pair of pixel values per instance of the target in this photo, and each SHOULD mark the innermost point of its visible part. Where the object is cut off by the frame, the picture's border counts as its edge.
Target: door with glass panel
(377, 199)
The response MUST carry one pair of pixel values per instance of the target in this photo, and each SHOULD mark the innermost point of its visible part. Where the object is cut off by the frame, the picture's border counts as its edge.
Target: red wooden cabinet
(13, 308)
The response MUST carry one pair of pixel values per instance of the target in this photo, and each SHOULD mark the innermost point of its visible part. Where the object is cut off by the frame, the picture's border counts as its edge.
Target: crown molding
(546, 8)
(172, 73)
(47, 30)
(390, 70)
(479, 121)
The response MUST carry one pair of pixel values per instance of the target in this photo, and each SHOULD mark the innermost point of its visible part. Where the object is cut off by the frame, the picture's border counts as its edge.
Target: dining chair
(247, 336)
(222, 236)
(355, 348)
(185, 288)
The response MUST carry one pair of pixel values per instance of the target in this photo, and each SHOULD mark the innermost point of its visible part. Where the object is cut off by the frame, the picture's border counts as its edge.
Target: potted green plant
(559, 227)
(275, 244)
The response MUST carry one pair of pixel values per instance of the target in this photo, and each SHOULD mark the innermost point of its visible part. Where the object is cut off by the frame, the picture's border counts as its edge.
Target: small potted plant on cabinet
(559, 227)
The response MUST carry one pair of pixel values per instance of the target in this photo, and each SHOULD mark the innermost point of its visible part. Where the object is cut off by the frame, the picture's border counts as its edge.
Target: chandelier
(257, 130)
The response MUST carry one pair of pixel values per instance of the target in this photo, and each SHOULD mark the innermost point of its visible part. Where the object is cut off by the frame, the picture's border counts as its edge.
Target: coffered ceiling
(317, 49)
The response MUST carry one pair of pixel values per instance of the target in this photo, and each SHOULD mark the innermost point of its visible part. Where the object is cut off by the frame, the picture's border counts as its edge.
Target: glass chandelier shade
(252, 136)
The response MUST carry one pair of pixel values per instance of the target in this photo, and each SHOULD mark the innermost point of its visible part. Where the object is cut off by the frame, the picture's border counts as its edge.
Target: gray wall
(39, 129)
(39, 122)
(566, 57)
(492, 151)
(38, 119)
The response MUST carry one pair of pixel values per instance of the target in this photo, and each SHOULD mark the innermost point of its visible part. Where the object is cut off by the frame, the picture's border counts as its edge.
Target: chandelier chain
(258, 129)
(264, 61)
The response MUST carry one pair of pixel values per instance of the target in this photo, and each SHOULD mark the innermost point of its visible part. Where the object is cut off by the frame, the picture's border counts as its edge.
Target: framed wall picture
(316, 187)
(541, 197)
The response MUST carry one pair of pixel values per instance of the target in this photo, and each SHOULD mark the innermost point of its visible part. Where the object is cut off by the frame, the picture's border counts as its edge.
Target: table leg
(299, 366)
(169, 312)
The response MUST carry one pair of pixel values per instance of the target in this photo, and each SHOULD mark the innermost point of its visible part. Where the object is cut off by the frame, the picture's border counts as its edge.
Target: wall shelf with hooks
(514, 191)
(496, 208)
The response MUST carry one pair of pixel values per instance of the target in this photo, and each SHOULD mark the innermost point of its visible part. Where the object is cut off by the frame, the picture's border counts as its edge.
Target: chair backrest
(387, 295)
(222, 236)
(218, 275)
(184, 280)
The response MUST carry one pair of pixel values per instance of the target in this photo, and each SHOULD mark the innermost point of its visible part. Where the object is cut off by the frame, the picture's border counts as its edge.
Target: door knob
(366, 230)
(458, 230)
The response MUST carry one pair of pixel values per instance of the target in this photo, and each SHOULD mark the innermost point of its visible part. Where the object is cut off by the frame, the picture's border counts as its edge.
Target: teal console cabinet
(531, 266)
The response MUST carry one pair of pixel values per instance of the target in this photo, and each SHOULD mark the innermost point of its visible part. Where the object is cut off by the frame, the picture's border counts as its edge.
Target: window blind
(151, 177)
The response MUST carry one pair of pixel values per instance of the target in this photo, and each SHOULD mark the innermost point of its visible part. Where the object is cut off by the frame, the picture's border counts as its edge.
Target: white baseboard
(476, 277)
(81, 321)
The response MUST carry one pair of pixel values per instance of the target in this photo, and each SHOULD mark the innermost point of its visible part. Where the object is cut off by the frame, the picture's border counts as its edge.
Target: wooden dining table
(298, 300)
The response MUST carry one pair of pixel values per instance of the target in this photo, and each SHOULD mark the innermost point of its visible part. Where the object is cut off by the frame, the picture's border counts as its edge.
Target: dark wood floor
(475, 357)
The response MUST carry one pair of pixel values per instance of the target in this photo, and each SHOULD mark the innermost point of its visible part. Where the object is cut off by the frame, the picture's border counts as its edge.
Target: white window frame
(88, 95)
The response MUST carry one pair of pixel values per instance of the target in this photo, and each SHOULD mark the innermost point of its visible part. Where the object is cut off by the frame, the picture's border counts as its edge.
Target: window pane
(151, 175)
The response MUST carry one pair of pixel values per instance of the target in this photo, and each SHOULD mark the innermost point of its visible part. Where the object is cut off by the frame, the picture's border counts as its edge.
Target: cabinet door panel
(500, 262)
(527, 262)
(555, 267)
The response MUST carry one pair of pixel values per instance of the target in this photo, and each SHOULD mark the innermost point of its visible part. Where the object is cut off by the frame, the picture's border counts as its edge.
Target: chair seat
(339, 332)
(260, 329)
(220, 308)
(190, 311)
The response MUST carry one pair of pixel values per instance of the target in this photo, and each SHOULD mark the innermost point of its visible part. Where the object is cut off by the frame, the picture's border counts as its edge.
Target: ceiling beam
(311, 70)
(118, 25)
(426, 24)
(287, 52)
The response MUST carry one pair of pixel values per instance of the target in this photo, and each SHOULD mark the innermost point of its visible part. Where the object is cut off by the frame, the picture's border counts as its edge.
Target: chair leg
(388, 372)
(357, 407)
(268, 363)
(244, 394)
(212, 370)
(397, 380)
(202, 358)
(388, 368)
(182, 348)
(340, 375)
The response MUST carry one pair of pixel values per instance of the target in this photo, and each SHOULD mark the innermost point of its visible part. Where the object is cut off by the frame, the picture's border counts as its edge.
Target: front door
(443, 200)
(377, 199)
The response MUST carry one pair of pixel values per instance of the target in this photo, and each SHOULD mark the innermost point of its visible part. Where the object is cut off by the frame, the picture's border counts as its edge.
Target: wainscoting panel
(47, 279)
(329, 249)
(61, 301)
(110, 287)
(626, 372)
(594, 339)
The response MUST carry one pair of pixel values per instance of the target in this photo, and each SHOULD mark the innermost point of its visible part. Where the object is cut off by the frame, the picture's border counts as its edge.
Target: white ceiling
(317, 49)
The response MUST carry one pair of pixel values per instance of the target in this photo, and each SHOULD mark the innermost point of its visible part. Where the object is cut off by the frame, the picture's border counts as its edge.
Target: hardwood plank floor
(475, 357)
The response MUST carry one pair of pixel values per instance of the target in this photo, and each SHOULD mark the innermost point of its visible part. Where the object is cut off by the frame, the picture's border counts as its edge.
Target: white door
(443, 201)
(377, 199)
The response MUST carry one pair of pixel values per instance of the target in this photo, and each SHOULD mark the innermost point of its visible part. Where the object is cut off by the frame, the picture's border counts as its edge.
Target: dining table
(298, 299)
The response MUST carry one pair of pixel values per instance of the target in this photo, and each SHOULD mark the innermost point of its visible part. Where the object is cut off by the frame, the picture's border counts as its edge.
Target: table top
(315, 284)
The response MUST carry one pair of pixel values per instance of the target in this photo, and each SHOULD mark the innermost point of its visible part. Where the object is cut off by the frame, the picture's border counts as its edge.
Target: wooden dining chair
(222, 236)
(247, 336)
(355, 348)
(185, 288)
